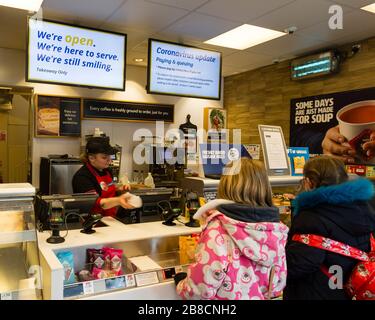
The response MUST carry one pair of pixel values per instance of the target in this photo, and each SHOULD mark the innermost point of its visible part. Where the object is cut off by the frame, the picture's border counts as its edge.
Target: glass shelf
(169, 265)
(20, 276)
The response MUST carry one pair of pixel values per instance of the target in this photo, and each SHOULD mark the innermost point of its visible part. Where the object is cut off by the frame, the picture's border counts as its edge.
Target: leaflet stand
(274, 150)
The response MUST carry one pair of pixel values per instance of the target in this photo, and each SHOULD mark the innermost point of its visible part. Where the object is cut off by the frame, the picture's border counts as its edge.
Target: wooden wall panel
(262, 96)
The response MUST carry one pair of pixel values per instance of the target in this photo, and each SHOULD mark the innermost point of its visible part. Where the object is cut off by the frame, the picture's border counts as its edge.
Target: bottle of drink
(135, 176)
(141, 177)
(149, 181)
(125, 179)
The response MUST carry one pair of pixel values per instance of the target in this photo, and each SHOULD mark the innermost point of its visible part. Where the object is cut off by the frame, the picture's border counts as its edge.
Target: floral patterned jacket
(234, 258)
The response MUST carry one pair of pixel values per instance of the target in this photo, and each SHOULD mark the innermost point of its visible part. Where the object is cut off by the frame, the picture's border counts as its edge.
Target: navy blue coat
(340, 212)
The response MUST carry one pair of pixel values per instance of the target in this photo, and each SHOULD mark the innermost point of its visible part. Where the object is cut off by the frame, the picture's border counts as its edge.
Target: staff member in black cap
(94, 176)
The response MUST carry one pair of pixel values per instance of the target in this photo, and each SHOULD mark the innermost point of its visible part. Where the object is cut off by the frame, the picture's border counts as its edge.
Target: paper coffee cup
(353, 119)
(351, 123)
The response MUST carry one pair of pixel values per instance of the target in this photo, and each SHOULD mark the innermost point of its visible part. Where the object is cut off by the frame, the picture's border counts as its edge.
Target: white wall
(12, 72)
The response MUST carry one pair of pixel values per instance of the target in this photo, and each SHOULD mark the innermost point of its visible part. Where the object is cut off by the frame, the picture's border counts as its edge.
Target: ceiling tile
(224, 51)
(290, 15)
(286, 45)
(142, 15)
(200, 27)
(242, 59)
(353, 3)
(134, 36)
(92, 9)
(351, 26)
(183, 4)
(241, 10)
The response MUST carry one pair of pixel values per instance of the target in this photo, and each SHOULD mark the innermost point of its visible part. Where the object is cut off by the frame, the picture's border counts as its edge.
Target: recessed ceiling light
(138, 59)
(31, 5)
(245, 36)
(369, 8)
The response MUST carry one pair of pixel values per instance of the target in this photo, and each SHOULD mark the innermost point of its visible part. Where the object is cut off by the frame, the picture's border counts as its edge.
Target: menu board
(127, 111)
(181, 70)
(57, 116)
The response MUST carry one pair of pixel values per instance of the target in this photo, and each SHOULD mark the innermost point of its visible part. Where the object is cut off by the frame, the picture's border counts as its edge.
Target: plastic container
(125, 180)
(149, 181)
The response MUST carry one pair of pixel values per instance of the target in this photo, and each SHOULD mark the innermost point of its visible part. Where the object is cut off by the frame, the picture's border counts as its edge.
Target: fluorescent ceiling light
(31, 5)
(245, 36)
(369, 8)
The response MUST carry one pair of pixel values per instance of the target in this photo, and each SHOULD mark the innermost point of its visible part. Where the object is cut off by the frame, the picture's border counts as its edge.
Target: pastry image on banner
(48, 116)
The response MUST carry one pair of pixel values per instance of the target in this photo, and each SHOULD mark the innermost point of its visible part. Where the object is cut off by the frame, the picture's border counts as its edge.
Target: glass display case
(20, 276)
(117, 262)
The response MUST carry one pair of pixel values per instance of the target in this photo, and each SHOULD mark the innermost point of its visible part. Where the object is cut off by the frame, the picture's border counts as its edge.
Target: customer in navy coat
(332, 207)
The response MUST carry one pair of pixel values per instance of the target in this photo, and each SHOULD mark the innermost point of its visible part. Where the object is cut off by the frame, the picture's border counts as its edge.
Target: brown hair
(246, 181)
(325, 171)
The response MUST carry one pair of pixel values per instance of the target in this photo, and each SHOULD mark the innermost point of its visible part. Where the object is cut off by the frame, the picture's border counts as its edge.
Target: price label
(88, 287)
(147, 278)
(130, 280)
(6, 296)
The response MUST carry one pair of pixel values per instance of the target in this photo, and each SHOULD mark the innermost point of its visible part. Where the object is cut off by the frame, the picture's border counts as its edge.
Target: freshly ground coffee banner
(350, 113)
(127, 111)
(58, 116)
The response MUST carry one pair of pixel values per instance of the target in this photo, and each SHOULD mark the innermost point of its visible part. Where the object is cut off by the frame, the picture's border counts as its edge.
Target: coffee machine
(166, 165)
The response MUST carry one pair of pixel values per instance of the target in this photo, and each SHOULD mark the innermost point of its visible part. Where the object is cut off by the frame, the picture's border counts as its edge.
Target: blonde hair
(246, 181)
(84, 157)
(325, 171)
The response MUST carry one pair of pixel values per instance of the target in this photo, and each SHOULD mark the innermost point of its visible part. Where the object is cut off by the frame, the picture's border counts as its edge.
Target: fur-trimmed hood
(344, 193)
(345, 204)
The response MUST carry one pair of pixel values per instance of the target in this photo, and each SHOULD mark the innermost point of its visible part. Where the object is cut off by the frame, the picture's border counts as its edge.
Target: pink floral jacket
(234, 259)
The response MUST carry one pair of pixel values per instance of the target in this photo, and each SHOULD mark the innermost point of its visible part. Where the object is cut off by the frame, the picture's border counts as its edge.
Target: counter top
(275, 181)
(115, 231)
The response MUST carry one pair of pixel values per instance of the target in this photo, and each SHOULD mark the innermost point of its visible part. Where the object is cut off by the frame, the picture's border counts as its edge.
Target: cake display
(48, 121)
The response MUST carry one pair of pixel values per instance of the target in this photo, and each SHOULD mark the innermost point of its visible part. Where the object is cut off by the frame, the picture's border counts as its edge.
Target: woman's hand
(336, 145)
(124, 188)
(369, 147)
(123, 201)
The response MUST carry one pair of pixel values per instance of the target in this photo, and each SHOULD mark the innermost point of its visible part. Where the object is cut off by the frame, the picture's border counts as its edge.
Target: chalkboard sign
(58, 116)
(127, 111)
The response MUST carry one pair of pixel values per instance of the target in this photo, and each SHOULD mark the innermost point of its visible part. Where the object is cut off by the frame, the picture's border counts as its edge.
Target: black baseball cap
(99, 145)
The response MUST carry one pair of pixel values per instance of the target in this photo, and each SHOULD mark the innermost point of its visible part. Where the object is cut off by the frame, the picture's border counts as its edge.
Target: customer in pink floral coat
(242, 239)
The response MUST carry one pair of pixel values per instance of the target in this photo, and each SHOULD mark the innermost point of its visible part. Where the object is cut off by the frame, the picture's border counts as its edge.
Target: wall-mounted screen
(59, 53)
(181, 70)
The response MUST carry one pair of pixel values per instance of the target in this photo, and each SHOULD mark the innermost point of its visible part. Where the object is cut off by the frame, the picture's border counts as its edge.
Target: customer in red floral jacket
(242, 240)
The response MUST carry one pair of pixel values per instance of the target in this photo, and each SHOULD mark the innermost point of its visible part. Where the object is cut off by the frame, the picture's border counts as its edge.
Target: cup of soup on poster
(357, 125)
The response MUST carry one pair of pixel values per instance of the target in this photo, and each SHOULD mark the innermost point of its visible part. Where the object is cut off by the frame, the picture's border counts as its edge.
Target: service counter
(151, 242)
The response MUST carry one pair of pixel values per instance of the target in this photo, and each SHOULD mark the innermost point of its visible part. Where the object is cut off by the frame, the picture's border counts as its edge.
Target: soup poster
(316, 119)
